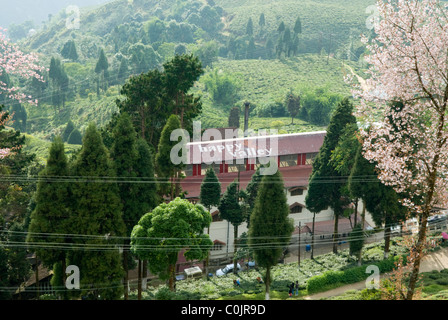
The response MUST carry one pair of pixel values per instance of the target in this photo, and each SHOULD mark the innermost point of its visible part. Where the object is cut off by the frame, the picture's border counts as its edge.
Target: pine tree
(124, 155)
(298, 26)
(164, 164)
(252, 191)
(69, 50)
(270, 228)
(320, 196)
(230, 210)
(281, 27)
(262, 21)
(75, 137)
(97, 212)
(210, 195)
(250, 28)
(68, 129)
(101, 68)
(52, 208)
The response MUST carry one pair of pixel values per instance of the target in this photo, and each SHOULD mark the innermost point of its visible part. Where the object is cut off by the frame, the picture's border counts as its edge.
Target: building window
(288, 160)
(188, 172)
(216, 217)
(296, 208)
(204, 168)
(310, 158)
(218, 245)
(234, 167)
(296, 192)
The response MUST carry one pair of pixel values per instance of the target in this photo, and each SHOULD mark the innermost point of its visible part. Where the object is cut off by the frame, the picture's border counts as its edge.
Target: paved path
(434, 261)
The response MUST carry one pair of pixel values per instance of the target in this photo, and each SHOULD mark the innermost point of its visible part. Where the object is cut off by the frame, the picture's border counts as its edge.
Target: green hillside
(141, 35)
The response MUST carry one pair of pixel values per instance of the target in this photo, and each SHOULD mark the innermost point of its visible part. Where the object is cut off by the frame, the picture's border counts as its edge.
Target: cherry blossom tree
(404, 103)
(15, 63)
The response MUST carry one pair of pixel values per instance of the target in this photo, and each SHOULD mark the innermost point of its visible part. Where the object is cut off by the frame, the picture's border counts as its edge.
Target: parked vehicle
(227, 269)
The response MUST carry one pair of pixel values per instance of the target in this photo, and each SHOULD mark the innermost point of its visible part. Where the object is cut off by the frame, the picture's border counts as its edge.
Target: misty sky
(19, 11)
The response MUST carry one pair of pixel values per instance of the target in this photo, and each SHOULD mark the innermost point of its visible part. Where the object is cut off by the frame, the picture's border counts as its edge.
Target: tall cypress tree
(101, 68)
(250, 28)
(210, 195)
(97, 213)
(325, 187)
(230, 210)
(164, 164)
(270, 228)
(51, 212)
(124, 154)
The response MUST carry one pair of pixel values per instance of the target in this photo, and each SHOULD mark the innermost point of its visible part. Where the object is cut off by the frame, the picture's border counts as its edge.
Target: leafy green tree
(180, 49)
(180, 74)
(293, 105)
(97, 212)
(320, 195)
(207, 53)
(230, 210)
(50, 216)
(223, 87)
(167, 230)
(270, 228)
(143, 58)
(144, 103)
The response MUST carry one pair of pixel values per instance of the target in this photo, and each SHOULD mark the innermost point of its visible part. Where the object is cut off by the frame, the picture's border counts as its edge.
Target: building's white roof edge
(257, 137)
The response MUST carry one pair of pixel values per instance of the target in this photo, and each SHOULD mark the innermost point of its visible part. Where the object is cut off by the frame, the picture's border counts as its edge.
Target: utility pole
(246, 117)
(312, 237)
(300, 230)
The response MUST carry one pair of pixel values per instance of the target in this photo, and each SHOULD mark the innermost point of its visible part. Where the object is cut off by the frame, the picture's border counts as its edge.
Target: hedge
(332, 279)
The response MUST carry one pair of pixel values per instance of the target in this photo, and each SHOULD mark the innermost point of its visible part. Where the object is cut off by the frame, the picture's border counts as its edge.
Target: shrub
(164, 293)
(352, 275)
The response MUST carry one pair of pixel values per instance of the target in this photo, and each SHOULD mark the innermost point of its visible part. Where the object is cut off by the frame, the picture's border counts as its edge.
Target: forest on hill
(258, 51)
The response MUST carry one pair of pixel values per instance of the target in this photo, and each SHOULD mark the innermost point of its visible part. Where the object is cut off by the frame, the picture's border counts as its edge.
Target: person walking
(291, 288)
(296, 287)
